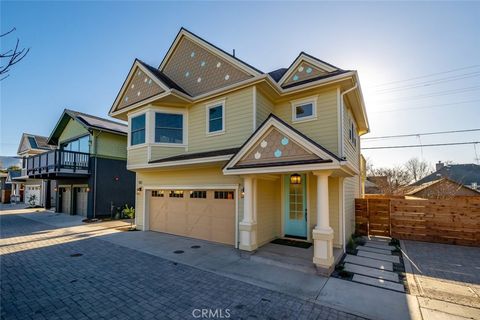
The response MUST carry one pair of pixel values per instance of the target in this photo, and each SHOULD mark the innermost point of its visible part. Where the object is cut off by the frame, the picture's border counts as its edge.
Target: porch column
(248, 225)
(323, 233)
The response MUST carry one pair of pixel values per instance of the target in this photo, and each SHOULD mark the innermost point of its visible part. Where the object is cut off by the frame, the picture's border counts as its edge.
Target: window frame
(209, 106)
(298, 103)
(352, 132)
(154, 131)
(65, 143)
(130, 131)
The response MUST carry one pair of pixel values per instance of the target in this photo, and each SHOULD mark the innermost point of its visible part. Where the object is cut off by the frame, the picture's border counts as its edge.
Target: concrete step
(371, 272)
(379, 283)
(379, 246)
(382, 251)
(283, 261)
(379, 256)
(369, 262)
(378, 238)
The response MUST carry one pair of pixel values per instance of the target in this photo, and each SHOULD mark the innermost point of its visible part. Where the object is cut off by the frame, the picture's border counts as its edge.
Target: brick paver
(43, 277)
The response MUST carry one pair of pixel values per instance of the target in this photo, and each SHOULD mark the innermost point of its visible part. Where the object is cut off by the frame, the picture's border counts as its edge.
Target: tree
(14, 168)
(417, 169)
(10, 57)
(390, 180)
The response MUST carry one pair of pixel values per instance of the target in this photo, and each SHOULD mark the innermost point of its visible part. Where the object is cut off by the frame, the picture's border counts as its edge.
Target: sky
(418, 62)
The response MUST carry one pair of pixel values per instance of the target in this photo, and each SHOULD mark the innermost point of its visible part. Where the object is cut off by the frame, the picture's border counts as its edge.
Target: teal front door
(295, 208)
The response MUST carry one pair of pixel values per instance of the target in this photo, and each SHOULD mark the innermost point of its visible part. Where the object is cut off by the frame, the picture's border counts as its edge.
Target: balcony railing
(57, 161)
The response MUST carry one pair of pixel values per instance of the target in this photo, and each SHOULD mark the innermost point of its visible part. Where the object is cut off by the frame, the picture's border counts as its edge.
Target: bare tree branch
(11, 57)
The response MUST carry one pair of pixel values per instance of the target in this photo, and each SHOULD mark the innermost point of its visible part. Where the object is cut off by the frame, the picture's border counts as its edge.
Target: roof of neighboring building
(411, 190)
(35, 142)
(197, 155)
(465, 174)
(89, 122)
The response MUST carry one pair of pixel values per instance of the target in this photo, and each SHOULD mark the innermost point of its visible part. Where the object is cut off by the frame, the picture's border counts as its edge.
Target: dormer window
(168, 128)
(304, 110)
(216, 118)
(137, 134)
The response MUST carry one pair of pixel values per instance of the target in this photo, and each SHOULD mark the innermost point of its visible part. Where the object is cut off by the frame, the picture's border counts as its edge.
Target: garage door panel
(207, 219)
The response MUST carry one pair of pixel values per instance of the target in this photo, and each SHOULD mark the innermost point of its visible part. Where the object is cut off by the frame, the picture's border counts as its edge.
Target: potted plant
(130, 213)
(32, 200)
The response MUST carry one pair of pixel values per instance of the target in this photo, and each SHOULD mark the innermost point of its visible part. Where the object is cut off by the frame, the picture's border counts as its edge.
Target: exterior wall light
(295, 178)
(88, 189)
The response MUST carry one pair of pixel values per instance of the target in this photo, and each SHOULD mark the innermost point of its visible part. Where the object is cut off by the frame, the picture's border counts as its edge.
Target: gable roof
(413, 189)
(460, 173)
(89, 122)
(33, 142)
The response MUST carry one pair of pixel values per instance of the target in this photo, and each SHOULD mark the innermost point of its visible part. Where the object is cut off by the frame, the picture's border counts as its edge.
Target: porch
(56, 163)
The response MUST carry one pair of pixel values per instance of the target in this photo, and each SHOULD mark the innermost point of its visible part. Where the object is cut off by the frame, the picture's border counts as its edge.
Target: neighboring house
(467, 175)
(14, 189)
(227, 153)
(441, 189)
(37, 192)
(3, 187)
(88, 166)
(376, 184)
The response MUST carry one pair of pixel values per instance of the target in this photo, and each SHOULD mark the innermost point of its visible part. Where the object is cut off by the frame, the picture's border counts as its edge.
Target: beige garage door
(202, 214)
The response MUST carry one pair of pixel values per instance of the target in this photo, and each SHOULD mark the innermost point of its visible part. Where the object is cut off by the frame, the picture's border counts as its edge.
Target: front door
(295, 207)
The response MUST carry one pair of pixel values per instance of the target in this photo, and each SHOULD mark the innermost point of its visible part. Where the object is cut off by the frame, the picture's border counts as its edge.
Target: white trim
(302, 57)
(341, 213)
(169, 110)
(307, 195)
(209, 106)
(234, 187)
(180, 163)
(283, 169)
(300, 102)
(254, 105)
(129, 131)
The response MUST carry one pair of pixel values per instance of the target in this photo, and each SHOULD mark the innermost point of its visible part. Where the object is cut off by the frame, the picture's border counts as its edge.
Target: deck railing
(57, 161)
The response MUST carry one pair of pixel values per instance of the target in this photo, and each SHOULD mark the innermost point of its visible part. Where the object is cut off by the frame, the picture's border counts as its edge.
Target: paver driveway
(41, 280)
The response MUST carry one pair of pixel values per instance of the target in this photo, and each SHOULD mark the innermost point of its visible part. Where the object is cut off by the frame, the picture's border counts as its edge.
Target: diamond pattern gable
(140, 87)
(304, 71)
(275, 147)
(198, 70)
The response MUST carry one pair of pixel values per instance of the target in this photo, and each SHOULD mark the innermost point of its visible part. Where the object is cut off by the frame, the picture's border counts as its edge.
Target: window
(304, 110)
(352, 133)
(157, 193)
(215, 120)
(77, 145)
(176, 194)
(168, 128)
(137, 134)
(198, 194)
(33, 142)
(224, 195)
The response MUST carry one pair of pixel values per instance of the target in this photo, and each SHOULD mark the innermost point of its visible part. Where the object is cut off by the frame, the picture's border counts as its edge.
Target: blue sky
(81, 53)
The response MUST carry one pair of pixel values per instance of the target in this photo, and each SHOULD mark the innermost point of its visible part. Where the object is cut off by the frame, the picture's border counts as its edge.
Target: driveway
(445, 278)
(69, 272)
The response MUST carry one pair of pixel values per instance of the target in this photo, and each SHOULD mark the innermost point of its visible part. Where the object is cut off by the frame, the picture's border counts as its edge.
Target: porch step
(369, 262)
(379, 283)
(378, 239)
(379, 256)
(375, 250)
(379, 246)
(371, 272)
(283, 261)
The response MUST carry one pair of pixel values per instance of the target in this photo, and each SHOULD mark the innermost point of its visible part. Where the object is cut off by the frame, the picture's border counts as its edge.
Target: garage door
(202, 214)
(32, 195)
(81, 200)
(65, 194)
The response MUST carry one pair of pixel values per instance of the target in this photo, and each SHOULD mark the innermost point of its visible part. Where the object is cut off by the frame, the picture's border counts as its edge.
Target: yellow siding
(72, 130)
(159, 152)
(190, 177)
(264, 108)
(137, 156)
(238, 123)
(111, 145)
(322, 130)
(351, 191)
(352, 153)
(268, 210)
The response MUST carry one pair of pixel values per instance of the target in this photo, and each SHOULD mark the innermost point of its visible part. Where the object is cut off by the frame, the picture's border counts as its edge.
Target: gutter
(342, 122)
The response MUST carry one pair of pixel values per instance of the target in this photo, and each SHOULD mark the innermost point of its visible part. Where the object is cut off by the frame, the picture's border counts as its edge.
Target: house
(227, 153)
(13, 190)
(87, 165)
(4, 191)
(376, 184)
(467, 174)
(443, 188)
(37, 192)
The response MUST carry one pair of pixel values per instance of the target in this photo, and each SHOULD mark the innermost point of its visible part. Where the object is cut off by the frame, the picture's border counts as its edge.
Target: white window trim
(129, 135)
(207, 119)
(184, 127)
(297, 103)
(354, 134)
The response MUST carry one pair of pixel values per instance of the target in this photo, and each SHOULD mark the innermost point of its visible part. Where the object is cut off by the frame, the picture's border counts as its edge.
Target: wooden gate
(372, 217)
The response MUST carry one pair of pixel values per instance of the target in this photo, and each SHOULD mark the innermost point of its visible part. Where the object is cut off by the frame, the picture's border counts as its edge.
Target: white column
(323, 234)
(248, 225)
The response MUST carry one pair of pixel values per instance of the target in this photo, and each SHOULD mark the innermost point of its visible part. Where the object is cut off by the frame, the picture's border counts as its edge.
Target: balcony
(57, 163)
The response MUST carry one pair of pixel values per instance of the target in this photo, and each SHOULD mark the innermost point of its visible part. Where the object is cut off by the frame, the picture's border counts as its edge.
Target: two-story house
(227, 153)
(87, 165)
(37, 192)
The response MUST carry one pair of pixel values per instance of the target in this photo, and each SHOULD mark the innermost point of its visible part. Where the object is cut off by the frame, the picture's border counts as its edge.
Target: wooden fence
(454, 221)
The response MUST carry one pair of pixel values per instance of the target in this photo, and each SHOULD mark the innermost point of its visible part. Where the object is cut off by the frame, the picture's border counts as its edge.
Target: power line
(432, 94)
(422, 145)
(420, 134)
(426, 76)
(426, 107)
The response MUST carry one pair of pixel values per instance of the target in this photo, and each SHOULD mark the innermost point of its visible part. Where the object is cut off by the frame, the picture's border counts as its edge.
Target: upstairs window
(137, 135)
(33, 142)
(77, 145)
(352, 133)
(168, 128)
(215, 118)
(304, 110)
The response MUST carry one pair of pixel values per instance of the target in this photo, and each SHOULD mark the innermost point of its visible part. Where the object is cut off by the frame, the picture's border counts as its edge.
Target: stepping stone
(379, 283)
(378, 243)
(379, 246)
(382, 251)
(379, 256)
(371, 272)
(369, 262)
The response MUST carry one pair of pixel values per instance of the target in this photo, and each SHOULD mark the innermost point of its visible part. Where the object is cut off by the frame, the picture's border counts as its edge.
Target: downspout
(95, 176)
(342, 156)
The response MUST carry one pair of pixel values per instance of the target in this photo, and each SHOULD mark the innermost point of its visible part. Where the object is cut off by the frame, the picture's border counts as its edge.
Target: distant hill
(6, 162)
